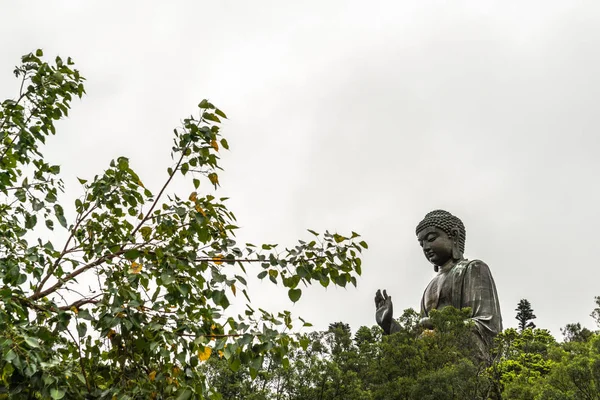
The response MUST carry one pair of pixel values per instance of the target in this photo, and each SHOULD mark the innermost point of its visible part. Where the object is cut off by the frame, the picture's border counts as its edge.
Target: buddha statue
(458, 283)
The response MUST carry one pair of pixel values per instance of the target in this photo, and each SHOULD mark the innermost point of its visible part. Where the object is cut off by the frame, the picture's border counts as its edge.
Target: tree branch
(149, 213)
(81, 302)
(64, 251)
(74, 274)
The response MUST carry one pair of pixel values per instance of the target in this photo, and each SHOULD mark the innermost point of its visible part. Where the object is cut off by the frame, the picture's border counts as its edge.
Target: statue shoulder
(472, 265)
(476, 264)
(477, 267)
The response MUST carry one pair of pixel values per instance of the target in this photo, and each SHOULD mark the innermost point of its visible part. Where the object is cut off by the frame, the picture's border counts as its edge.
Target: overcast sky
(364, 116)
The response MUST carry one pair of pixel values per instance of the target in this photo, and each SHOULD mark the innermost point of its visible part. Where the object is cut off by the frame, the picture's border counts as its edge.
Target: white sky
(348, 115)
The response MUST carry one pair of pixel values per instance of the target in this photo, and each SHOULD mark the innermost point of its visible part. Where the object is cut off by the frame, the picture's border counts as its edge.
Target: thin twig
(64, 251)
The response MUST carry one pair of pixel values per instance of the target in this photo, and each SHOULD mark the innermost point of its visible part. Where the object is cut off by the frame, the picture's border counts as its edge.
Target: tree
(165, 264)
(525, 315)
(596, 313)
(576, 333)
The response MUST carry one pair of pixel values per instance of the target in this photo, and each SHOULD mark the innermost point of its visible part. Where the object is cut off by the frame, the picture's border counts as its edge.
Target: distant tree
(576, 333)
(339, 337)
(525, 315)
(596, 313)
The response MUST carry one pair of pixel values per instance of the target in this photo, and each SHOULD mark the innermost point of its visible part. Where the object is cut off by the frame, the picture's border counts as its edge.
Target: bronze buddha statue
(459, 282)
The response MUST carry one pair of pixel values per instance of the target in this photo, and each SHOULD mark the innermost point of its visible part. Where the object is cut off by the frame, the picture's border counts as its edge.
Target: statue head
(442, 237)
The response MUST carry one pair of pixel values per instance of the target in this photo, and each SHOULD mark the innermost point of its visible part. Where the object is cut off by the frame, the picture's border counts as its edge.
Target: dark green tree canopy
(525, 315)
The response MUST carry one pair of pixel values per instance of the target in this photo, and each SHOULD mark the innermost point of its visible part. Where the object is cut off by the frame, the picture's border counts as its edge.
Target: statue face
(436, 244)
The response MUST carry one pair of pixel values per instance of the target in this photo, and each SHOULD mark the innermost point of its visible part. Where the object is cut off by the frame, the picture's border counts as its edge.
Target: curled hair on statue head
(448, 223)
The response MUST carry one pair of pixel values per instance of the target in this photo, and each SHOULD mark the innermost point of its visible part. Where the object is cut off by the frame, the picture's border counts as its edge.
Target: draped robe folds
(467, 284)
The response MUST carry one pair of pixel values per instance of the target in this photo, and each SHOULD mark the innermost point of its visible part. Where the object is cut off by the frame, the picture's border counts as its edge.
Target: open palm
(384, 310)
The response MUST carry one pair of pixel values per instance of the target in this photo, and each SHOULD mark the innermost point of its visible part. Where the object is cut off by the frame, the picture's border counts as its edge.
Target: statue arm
(480, 295)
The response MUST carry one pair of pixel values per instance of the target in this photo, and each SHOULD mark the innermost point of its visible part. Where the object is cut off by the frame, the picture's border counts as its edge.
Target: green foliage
(166, 265)
(576, 333)
(444, 363)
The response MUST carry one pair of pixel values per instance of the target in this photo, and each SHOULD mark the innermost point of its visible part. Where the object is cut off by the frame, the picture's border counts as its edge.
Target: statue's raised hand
(384, 310)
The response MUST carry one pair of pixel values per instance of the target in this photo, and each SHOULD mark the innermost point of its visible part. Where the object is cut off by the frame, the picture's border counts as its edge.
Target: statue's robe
(467, 284)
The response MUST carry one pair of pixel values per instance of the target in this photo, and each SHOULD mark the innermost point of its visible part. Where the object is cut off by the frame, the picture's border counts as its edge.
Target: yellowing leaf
(111, 333)
(218, 259)
(221, 354)
(141, 184)
(193, 196)
(204, 355)
(75, 310)
(338, 238)
(200, 210)
(120, 315)
(214, 145)
(136, 268)
(233, 289)
(214, 178)
(152, 375)
(428, 332)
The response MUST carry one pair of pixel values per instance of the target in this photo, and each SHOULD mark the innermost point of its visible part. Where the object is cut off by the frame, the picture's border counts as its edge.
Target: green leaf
(364, 244)
(235, 364)
(210, 117)
(39, 53)
(84, 314)
(204, 104)
(357, 267)
(225, 144)
(253, 373)
(11, 355)
(30, 221)
(132, 254)
(262, 275)
(146, 231)
(57, 393)
(20, 195)
(220, 113)
(185, 394)
(304, 342)
(294, 294)
(82, 181)
(60, 216)
(81, 329)
(32, 342)
(196, 183)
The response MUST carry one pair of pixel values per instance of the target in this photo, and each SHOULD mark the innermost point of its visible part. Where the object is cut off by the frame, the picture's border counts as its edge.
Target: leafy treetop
(166, 265)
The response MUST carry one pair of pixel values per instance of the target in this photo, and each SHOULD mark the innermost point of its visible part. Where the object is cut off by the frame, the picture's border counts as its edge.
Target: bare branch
(77, 272)
(81, 302)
